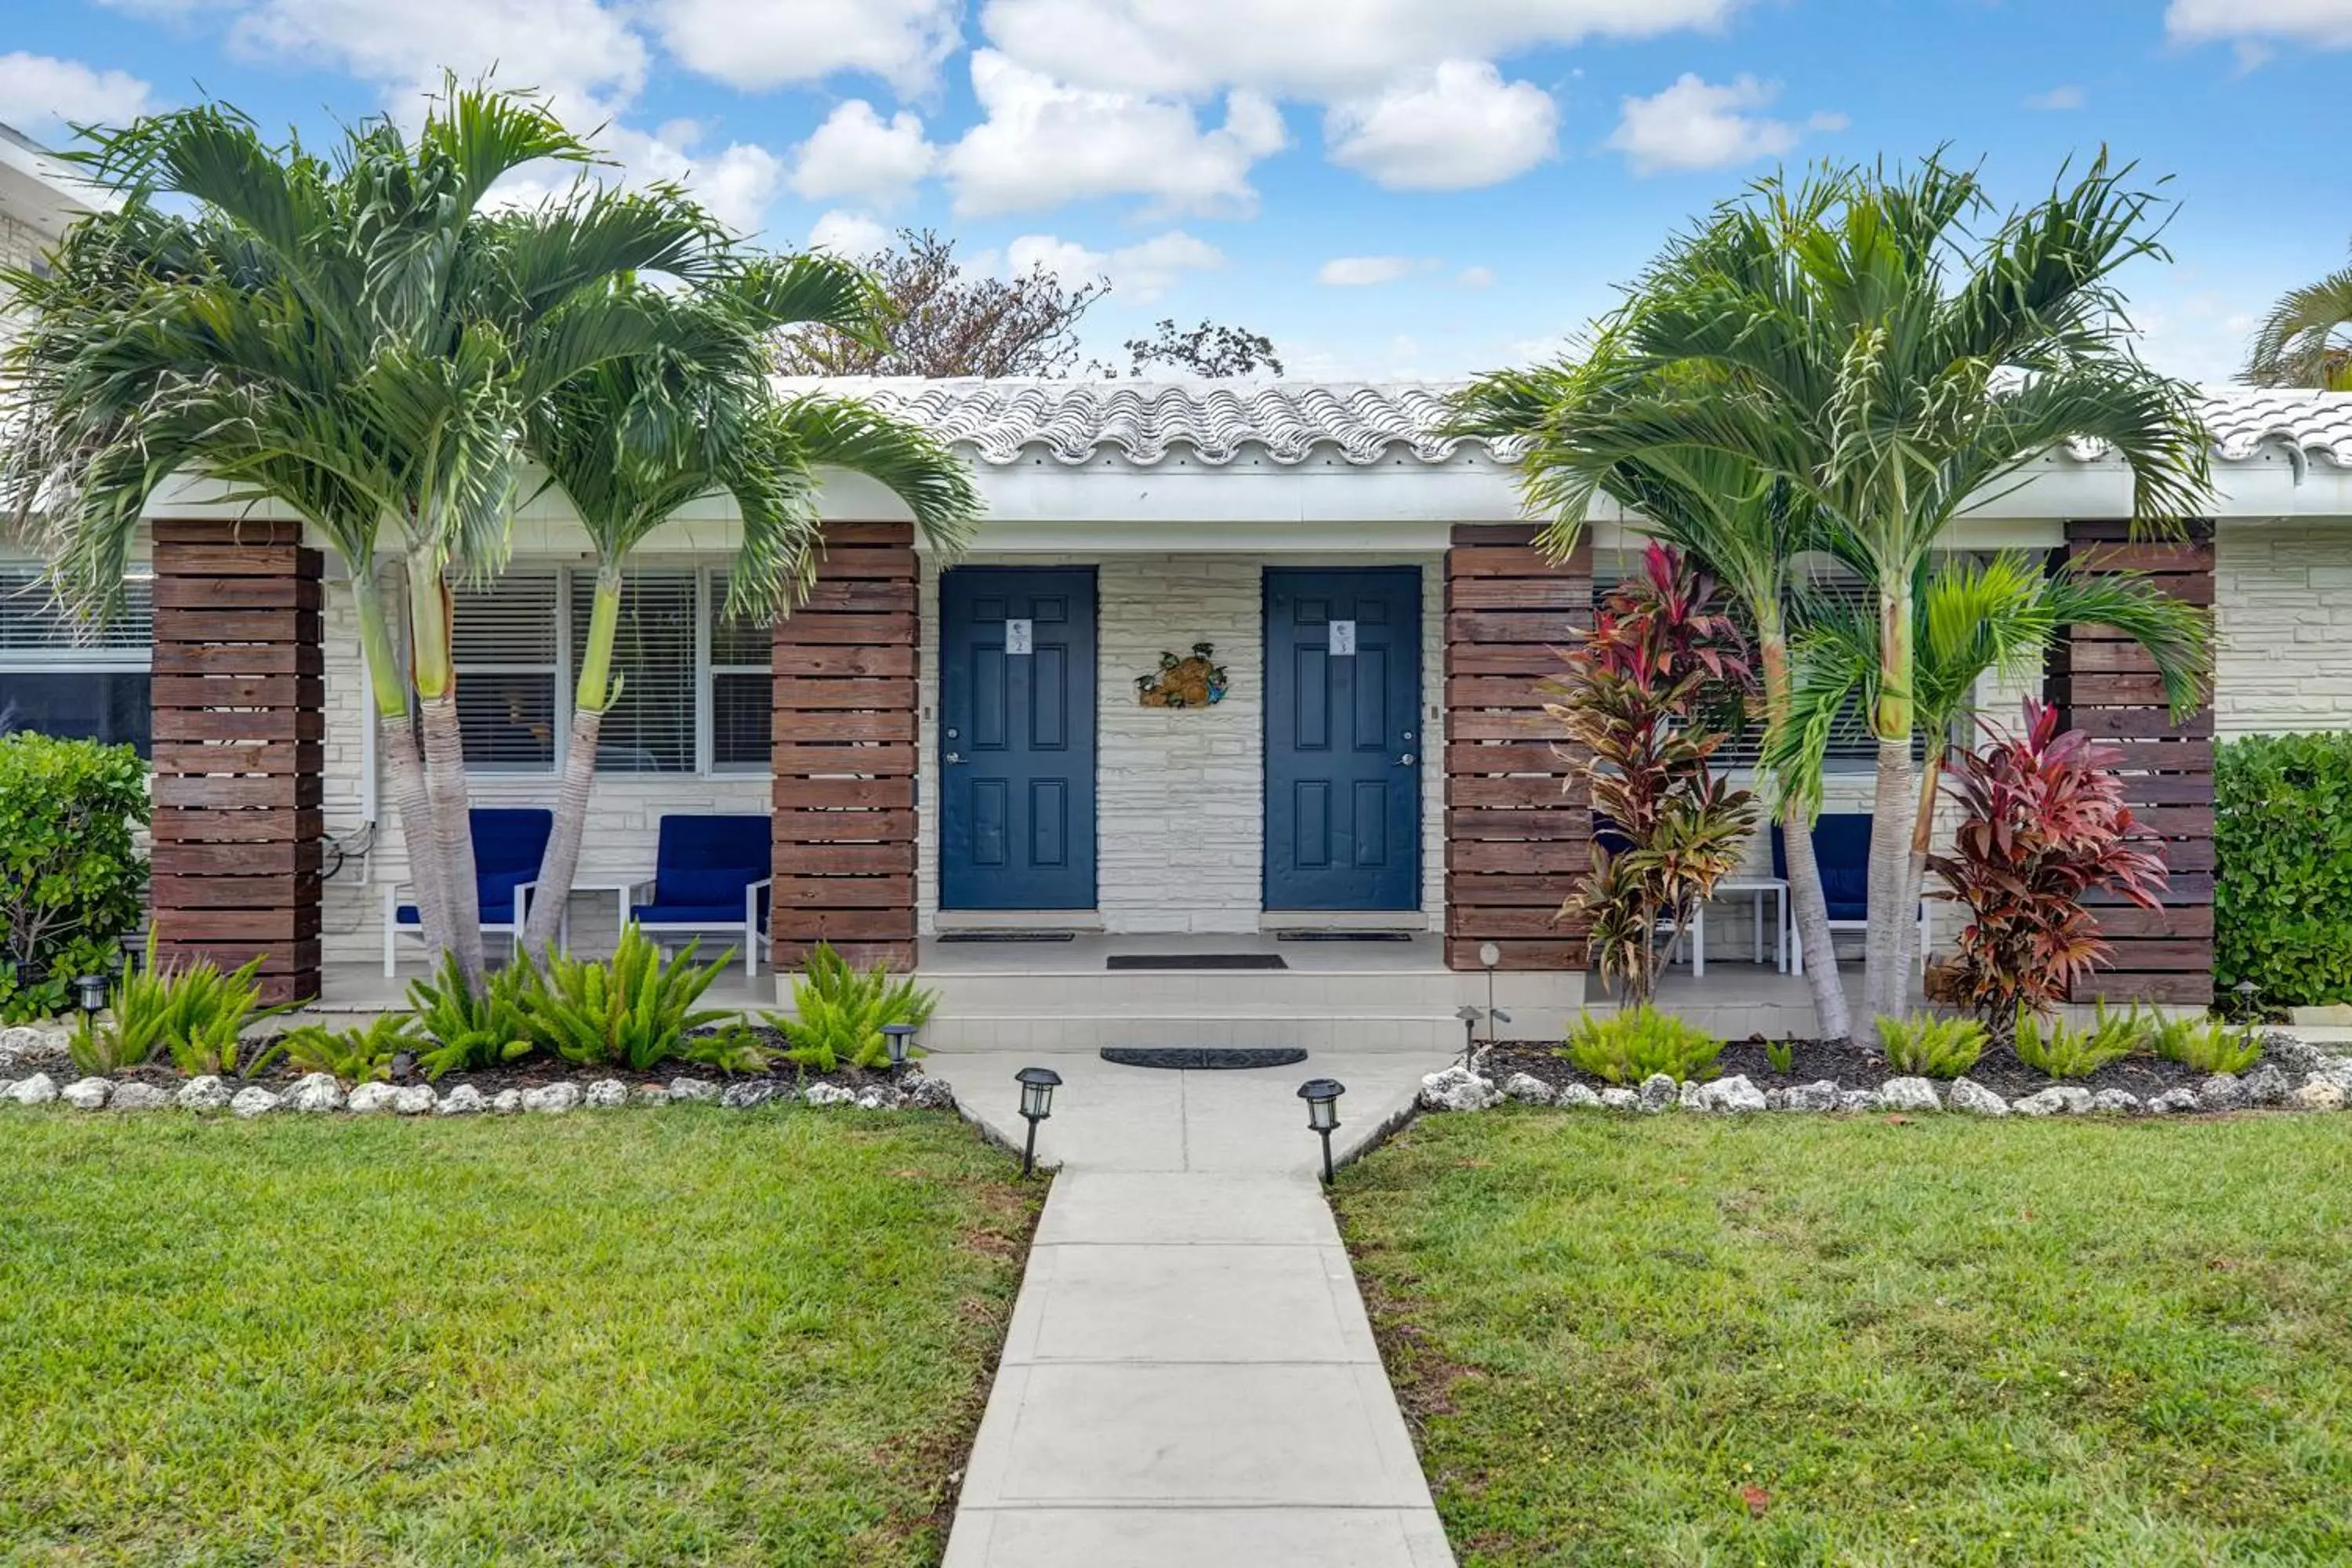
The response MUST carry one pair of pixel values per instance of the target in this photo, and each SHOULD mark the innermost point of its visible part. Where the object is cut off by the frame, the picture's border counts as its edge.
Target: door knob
(955, 756)
(1407, 760)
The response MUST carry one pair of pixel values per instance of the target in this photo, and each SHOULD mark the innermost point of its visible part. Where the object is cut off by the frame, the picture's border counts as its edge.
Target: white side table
(1775, 889)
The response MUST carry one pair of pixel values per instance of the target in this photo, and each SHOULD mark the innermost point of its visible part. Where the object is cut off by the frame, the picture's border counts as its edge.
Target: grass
(1919, 1340)
(686, 1336)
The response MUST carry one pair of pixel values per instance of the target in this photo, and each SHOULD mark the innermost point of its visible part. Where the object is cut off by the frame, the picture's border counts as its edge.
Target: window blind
(742, 689)
(651, 728)
(509, 661)
(59, 677)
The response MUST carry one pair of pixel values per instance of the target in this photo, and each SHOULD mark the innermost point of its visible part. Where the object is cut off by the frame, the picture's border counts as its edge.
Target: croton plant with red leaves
(2044, 825)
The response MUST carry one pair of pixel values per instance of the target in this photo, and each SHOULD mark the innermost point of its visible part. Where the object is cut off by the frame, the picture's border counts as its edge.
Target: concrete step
(1308, 1029)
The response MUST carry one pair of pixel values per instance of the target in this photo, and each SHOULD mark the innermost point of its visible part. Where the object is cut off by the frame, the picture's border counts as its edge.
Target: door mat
(1008, 936)
(1202, 1058)
(1343, 936)
(1195, 961)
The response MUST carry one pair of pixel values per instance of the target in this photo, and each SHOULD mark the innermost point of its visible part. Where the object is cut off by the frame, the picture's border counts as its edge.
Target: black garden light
(900, 1037)
(1322, 1098)
(91, 992)
(1037, 1087)
(1468, 1013)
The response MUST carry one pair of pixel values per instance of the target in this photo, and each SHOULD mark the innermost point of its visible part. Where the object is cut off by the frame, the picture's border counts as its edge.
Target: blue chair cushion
(1842, 849)
(702, 861)
(509, 844)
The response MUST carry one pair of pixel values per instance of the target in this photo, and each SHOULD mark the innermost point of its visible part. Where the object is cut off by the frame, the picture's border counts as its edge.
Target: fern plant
(734, 1047)
(1639, 1042)
(633, 1010)
(361, 1054)
(839, 1012)
(1781, 1055)
(2209, 1045)
(469, 1032)
(1925, 1047)
(2054, 1046)
(191, 1010)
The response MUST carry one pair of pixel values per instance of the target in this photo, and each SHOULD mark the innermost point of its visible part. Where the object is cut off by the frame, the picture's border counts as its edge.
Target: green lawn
(644, 1337)
(1921, 1340)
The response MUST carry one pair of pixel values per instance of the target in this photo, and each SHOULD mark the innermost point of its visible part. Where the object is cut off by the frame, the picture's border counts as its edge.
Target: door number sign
(1018, 636)
(1343, 639)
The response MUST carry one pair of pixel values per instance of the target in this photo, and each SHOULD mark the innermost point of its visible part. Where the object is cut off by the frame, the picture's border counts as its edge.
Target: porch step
(949, 1031)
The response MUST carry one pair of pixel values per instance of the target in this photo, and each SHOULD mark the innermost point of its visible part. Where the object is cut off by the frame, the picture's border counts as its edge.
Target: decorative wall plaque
(1194, 681)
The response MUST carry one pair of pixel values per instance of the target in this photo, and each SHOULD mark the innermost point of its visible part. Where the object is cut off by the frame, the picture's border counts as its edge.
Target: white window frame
(708, 601)
(77, 657)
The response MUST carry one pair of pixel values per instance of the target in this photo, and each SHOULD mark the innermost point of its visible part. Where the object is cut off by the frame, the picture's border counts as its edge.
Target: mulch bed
(1852, 1068)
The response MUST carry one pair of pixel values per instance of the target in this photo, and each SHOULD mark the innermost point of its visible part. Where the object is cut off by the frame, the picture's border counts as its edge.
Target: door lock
(955, 756)
(1407, 760)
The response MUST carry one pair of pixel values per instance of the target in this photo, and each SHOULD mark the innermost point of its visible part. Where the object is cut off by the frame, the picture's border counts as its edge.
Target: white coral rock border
(319, 1094)
(2291, 1076)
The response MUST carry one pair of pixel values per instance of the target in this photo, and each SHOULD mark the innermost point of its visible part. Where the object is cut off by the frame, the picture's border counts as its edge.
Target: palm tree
(1971, 618)
(2306, 341)
(631, 440)
(357, 337)
(1851, 336)
(1712, 505)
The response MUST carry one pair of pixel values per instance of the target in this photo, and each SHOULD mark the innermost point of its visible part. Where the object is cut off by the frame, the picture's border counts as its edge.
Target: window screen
(61, 678)
(742, 689)
(507, 664)
(651, 728)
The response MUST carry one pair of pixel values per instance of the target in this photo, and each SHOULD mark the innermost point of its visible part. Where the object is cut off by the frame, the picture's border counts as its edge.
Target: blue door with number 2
(1017, 739)
(1343, 739)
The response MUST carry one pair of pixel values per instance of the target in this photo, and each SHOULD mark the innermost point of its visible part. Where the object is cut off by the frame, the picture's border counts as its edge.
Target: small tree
(1205, 350)
(2045, 824)
(71, 875)
(1640, 696)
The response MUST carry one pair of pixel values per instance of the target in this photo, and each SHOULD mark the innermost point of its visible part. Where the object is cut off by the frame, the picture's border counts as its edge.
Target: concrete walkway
(1190, 1379)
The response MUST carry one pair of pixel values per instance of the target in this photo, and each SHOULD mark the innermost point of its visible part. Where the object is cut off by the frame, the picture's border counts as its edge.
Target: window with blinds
(509, 661)
(741, 695)
(61, 677)
(651, 728)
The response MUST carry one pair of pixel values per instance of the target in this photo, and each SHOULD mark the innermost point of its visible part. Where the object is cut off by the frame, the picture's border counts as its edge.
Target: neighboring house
(958, 750)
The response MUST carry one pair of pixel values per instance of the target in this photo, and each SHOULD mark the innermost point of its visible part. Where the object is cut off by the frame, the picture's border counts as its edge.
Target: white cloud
(852, 235)
(1828, 121)
(1695, 124)
(1364, 271)
(2057, 99)
(1456, 126)
(41, 95)
(1144, 270)
(1474, 277)
(1042, 144)
(2321, 24)
(856, 154)
(756, 47)
(1304, 48)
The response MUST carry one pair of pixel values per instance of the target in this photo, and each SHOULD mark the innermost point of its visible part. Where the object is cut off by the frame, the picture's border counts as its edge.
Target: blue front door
(1017, 739)
(1343, 739)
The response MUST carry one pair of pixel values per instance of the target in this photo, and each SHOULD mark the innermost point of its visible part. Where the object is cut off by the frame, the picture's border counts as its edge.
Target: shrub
(2283, 843)
(633, 1010)
(470, 1032)
(1640, 1042)
(1640, 696)
(191, 1010)
(1926, 1046)
(2044, 825)
(70, 878)
(839, 1012)
(2209, 1045)
(2058, 1048)
(734, 1047)
(361, 1054)
(1781, 1055)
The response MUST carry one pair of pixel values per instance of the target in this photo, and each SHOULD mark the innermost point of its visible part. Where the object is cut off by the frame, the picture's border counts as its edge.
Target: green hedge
(71, 878)
(2283, 898)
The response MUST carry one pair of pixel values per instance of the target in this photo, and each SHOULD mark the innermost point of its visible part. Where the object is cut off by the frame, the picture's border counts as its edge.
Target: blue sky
(1385, 187)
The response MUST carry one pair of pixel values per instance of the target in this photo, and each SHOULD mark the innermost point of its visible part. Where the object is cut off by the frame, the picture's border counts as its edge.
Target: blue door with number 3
(1017, 739)
(1343, 739)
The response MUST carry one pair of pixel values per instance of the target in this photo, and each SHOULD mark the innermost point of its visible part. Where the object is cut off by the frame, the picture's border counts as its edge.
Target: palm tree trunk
(592, 695)
(444, 765)
(1883, 987)
(1808, 905)
(404, 763)
(1922, 836)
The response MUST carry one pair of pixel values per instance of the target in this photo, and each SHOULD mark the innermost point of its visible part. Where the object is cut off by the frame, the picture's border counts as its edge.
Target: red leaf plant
(2045, 824)
(1640, 696)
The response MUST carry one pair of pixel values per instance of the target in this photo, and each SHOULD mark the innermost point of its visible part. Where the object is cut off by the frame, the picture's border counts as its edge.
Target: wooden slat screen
(2106, 687)
(845, 753)
(1515, 836)
(239, 728)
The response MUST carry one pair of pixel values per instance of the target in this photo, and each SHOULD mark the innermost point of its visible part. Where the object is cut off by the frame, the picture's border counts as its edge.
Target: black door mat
(1343, 936)
(1202, 1058)
(1008, 936)
(1195, 961)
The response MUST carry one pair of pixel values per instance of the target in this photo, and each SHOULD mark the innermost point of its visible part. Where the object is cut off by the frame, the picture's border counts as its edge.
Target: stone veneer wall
(2282, 605)
(1179, 821)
